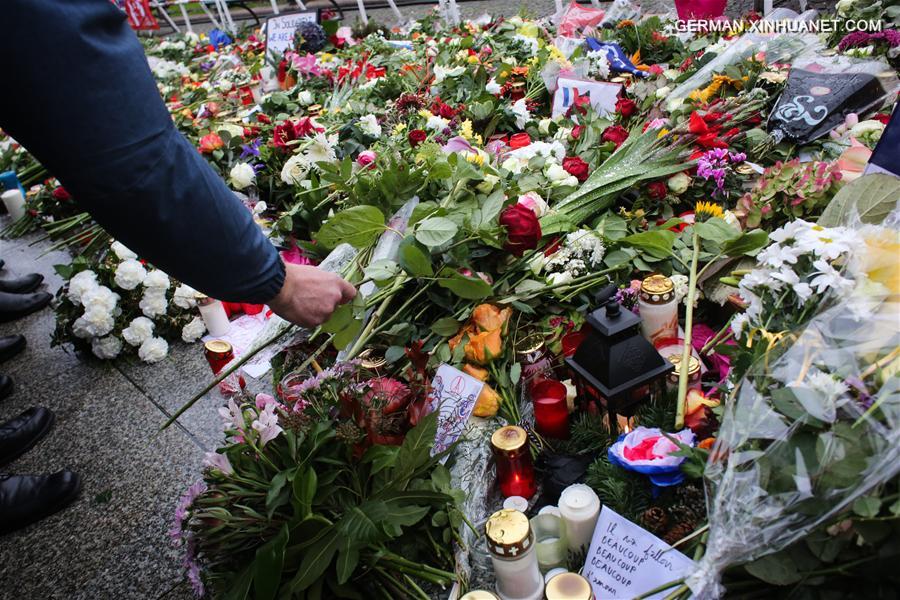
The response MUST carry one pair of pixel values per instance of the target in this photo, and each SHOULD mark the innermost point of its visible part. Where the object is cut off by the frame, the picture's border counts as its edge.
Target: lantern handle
(606, 294)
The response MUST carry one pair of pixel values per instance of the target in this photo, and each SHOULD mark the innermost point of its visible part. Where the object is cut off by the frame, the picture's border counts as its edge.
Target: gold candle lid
(479, 595)
(217, 346)
(508, 532)
(509, 438)
(568, 586)
(529, 344)
(693, 364)
(657, 289)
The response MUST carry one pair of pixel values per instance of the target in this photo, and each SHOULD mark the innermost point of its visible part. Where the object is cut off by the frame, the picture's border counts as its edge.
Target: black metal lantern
(615, 366)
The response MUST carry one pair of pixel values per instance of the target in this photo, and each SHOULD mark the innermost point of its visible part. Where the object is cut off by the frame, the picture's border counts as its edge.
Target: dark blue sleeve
(78, 94)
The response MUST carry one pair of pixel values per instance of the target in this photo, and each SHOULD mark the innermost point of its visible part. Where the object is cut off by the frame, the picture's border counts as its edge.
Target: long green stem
(688, 329)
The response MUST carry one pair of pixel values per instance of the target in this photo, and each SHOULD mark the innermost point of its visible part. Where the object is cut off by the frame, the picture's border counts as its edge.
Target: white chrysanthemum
(81, 283)
(154, 303)
(122, 251)
(138, 331)
(369, 125)
(321, 149)
(294, 170)
(153, 350)
(107, 347)
(193, 331)
(185, 297)
(157, 279)
(520, 110)
(93, 323)
(738, 323)
(129, 274)
(241, 176)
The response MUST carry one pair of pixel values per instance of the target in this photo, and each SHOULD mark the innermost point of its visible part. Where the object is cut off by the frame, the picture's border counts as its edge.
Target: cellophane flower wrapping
(812, 426)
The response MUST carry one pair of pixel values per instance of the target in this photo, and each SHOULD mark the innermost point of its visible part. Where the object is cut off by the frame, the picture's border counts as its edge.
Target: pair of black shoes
(18, 297)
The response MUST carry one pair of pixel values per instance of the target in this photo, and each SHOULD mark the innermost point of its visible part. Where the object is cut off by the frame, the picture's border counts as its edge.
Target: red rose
(519, 140)
(883, 118)
(210, 143)
(263, 118)
(615, 134)
(625, 107)
(61, 194)
(416, 137)
(576, 132)
(657, 190)
(523, 230)
(575, 166)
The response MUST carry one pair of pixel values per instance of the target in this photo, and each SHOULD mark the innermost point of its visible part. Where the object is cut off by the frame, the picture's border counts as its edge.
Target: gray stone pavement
(112, 542)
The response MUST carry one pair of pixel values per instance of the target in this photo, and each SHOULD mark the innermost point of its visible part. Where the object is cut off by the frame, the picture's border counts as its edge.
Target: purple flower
(714, 165)
(182, 508)
(251, 149)
(193, 567)
(854, 40)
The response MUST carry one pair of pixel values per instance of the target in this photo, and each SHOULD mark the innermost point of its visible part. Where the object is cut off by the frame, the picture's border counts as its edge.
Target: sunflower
(704, 211)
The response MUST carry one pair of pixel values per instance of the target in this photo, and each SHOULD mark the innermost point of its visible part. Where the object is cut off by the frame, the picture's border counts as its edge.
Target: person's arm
(79, 95)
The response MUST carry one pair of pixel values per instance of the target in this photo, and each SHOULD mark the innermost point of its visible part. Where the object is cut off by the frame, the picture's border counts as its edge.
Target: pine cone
(678, 532)
(655, 519)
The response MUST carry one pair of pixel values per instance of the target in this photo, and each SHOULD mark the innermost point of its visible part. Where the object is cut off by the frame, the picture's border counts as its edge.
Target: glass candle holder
(659, 309)
(515, 470)
(532, 354)
(551, 411)
(550, 541)
(511, 543)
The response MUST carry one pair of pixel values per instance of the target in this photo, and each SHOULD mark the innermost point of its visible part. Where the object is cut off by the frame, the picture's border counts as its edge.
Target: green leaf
(747, 243)
(268, 565)
(316, 559)
(239, 587)
(872, 196)
(469, 288)
(382, 270)
(655, 243)
(867, 506)
(357, 226)
(716, 230)
(343, 337)
(612, 226)
(305, 486)
(488, 211)
(414, 260)
(515, 373)
(274, 497)
(777, 569)
(348, 558)
(436, 231)
(445, 327)
(339, 320)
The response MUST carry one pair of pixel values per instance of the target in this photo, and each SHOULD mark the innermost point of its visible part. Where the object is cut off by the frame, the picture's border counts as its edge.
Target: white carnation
(93, 323)
(107, 347)
(305, 98)
(100, 298)
(122, 251)
(369, 125)
(242, 175)
(154, 303)
(185, 297)
(81, 283)
(129, 274)
(294, 170)
(153, 350)
(157, 279)
(138, 331)
(193, 331)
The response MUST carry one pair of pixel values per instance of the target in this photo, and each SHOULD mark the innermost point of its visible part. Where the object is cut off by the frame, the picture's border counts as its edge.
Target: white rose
(544, 126)
(294, 170)
(93, 323)
(153, 350)
(305, 98)
(154, 303)
(436, 123)
(242, 175)
(193, 331)
(556, 173)
(129, 274)
(514, 165)
(157, 279)
(121, 251)
(663, 92)
(81, 283)
(138, 331)
(184, 297)
(679, 183)
(106, 348)
(570, 181)
(369, 125)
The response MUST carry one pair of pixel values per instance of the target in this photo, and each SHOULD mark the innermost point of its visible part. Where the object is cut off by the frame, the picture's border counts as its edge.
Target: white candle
(15, 203)
(214, 317)
(516, 503)
(512, 547)
(580, 507)
(659, 311)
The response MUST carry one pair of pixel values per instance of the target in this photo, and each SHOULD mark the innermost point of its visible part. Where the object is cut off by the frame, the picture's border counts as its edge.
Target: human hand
(309, 295)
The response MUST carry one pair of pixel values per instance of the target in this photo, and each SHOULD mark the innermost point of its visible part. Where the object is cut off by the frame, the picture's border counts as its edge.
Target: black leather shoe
(21, 285)
(21, 433)
(25, 499)
(10, 345)
(2, 262)
(16, 306)
(6, 386)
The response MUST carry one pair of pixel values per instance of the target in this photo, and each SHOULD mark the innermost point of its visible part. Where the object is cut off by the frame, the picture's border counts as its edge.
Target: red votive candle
(551, 412)
(515, 471)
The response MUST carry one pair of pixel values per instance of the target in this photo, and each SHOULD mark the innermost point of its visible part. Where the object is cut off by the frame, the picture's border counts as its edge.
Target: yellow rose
(488, 402)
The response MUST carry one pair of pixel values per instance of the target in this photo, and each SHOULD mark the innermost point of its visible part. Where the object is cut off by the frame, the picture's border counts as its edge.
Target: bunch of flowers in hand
(123, 305)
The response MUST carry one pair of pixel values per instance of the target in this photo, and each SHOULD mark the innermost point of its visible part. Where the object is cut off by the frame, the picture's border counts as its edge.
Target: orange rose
(488, 402)
(210, 143)
(476, 372)
(707, 443)
(484, 347)
(488, 317)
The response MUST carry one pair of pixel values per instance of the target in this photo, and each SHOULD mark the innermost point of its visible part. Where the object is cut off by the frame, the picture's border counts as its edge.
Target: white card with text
(625, 560)
(603, 95)
(453, 394)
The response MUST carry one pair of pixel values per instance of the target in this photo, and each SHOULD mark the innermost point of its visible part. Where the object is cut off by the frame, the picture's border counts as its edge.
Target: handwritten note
(280, 31)
(453, 394)
(602, 95)
(625, 560)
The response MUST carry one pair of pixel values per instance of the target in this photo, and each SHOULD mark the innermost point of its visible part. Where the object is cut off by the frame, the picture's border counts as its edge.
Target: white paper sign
(625, 560)
(453, 394)
(280, 31)
(603, 95)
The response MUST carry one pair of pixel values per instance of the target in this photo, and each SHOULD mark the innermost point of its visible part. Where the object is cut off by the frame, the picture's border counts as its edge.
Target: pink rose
(366, 158)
